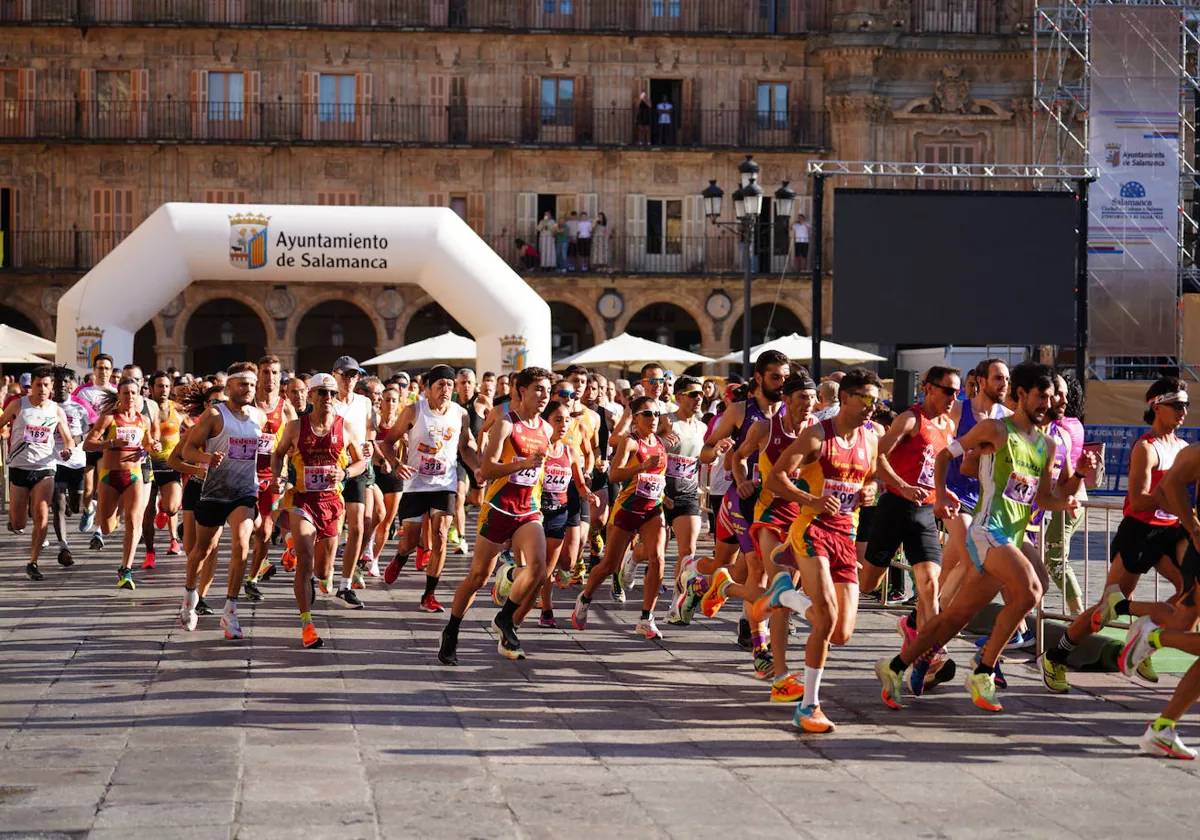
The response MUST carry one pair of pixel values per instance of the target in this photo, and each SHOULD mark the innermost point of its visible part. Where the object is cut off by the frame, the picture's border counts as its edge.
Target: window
(112, 218)
(114, 95)
(226, 96)
(10, 107)
(664, 226)
(458, 203)
(772, 105)
(948, 152)
(336, 98)
(558, 7)
(665, 8)
(338, 199)
(558, 101)
(225, 196)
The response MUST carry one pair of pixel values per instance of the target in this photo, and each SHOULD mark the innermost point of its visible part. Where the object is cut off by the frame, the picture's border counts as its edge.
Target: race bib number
(681, 466)
(1021, 489)
(129, 436)
(242, 449)
(846, 492)
(38, 435)
(432, 467)
(925, 478)
(266, 443)
(317, 479)
(556, 481)
(651, 486)
(525, 478)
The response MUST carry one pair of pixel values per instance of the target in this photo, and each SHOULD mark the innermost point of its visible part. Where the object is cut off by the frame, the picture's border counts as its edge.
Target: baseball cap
(346, 363)
(687, 383)
(323, 380)
(26, 379)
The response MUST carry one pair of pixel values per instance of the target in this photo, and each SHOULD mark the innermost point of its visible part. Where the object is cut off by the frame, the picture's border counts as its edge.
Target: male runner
(464, 395)
(358, 412)
(229, 433)
(165, 492)
(516, 450)
(580, 438)
(683, 434)
(323, 453)
(90, 396)
(278, 412)
(436, 433)
(1013, 467)
(68, 478)
(297, 395)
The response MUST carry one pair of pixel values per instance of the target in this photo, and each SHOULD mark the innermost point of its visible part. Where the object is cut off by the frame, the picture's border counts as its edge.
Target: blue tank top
(967, 489)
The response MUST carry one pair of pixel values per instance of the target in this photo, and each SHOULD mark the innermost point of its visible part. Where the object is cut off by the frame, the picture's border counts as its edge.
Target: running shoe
(580, 613)
(231, 626)
(562, 578)
(202, 608)
(812, 719)
(1137, 645)
(125, 579)
(982, 688)
(347, 597)
(1019, 641)
(252, 591)
(393, 569)
(618, 593)
(64, 557)
(906, 631)
(892, 684)
(691, 601)
(1054, 675)
(430, 604)
(997, 675)
(87, 519)
(96, 543)
(673, 615)
(579, 573)
(373, 568)
(895, 596)
(918, 673)
(422, 558)
(768, 602)
(188, 617)
(646, 627)
(309, 637)
(357, 580)
(17, 531)
(744, 640)
(787, 689)
(324, 586)
(597, 544)
(33, 573)
(509, 646)
(268, 572)
(503, 584)
(943, 670)
(288, 560)
(1165, 742)
(1106, 610)
(713, 599)
(448, 649)
(627, 574)
(1145, 670)
(547, 620)
(161, 520)
(463, 549)
(452, 537)
(173, 549)
(764, 664)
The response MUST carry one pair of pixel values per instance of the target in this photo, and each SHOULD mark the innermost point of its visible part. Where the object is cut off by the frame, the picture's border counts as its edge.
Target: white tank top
(432, 447)
(236, 477)
(31, 442)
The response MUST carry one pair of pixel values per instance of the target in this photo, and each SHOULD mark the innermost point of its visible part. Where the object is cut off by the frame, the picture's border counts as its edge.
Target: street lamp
(747, 205)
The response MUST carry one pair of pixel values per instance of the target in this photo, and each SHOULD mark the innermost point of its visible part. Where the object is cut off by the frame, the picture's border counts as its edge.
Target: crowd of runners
(811, 492)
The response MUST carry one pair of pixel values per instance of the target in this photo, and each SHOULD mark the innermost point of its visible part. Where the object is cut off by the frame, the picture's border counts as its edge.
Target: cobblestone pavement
(117, 724)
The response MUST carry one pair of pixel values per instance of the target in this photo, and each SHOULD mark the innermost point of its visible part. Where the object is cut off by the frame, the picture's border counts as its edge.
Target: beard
(771, 396)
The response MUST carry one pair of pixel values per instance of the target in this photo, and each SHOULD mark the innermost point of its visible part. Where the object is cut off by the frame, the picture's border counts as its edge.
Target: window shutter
(530, 103)
(588, 203)
(688, 113)
(253, 106)
(527, 215)
(439, 199)
(476, 209)
(364, 93)
(141, 103)
(310, 94)
(693, 232)
(26, 96)
(439, 13)
(438, 132)
(199, 104)
(584, 130)
(87, 105)
(635, 231)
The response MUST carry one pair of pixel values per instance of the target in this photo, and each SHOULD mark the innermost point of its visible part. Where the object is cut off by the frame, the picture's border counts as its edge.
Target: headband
(439, 372)
(798, 383)
(245, 374)
(1173, 397)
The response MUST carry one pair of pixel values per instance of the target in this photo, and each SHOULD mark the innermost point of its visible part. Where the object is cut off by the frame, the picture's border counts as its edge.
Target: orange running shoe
(812, 719)
(288, 560)
(713, 599)
(787, 689)
(309, 636)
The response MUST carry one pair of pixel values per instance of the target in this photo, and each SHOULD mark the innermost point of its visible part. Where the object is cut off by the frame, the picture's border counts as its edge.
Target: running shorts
(1191, 570)
(213, 513)
(866, 515)
(92, 458)
(191, 495)
(389, 483)
(835, 546)
(414, 505)
(323, 510)
(736, 523)
(981, 537)
(599, 481)
(897, 522)
(632, 522)
(166, 475)
(498, 527)
(354, 490)
(1142, 545)
(574, 506)
(120, 480)
(554, 522)
(687, 504)
(28, 479)
(69, 477)
(147, 472)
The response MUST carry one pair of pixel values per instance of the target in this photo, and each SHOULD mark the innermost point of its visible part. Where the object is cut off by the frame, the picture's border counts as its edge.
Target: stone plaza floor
(115, 723)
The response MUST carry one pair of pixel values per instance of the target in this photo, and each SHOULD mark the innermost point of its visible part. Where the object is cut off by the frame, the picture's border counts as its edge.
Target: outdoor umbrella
(447, 347)
(627, 351)
(799, 348)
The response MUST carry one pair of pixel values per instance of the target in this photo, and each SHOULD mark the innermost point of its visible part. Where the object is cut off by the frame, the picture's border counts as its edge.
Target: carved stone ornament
(857, 108)
(898, 12)
(952, 92)
(339, 169)
(447, 171)
(952, 100)
(558, 172)
(112, 167)
(665, 173)
(280, 303)
(174, 307)
(389, 304)
(224, 168)
(50, 298)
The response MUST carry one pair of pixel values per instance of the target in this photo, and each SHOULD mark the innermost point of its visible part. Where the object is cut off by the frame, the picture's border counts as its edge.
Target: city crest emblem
(514, 353)
(88, 341)
(1112, 154)
(248, 240)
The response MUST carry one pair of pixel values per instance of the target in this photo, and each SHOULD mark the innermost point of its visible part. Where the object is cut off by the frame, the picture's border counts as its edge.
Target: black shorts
(213, 513)
(414, 506)
(28, 479)
(554, 522)
(354, 490)
(467, 474)
(166, 476)
(70, 478)
(191, 495)
(687, 504)
(897, 522)
(575, 506)
(599, 481)
(1142, 545)
(1191, 569)
(389, 483)
(866, 515)
(147, 472)
(92, 458)
(801, 249)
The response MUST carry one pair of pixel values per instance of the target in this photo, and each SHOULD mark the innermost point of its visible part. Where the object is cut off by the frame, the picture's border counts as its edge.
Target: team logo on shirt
(248, 240)
(88, 341)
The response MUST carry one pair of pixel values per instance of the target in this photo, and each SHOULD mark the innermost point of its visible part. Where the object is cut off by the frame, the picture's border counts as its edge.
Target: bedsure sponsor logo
(248, 240)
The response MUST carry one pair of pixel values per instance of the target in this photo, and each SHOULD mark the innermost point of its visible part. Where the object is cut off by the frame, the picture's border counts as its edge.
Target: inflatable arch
(281, 244)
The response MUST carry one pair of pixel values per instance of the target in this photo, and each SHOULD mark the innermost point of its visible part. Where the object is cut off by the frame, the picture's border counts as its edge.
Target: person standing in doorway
(583, 244)
(641, 118)
(801, 233)
(545, 229)
(666, 124)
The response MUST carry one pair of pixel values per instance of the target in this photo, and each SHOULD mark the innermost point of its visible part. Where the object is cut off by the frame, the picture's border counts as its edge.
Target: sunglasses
(1178, 406)
(566, 392)
(324, 392)
(658, 380)
(945, 389)
(349, 374)
(647, 412)
(866, 400)
(690, 394)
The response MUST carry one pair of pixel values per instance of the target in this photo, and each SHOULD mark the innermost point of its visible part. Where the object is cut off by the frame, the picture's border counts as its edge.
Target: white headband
(1173, 397)
(245, 374)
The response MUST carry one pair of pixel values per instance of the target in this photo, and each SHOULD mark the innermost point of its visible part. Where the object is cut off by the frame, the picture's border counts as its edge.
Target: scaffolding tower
(1061, 105)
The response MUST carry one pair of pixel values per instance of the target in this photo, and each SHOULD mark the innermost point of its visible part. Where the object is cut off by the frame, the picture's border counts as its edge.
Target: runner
(824, 475)
(435, 430)
(1013, 467)
(683, 433)
(1148, 538)
(464, 395)
(389, 484)
(278, 412)
(68, 476)
(371, 388)
(229, 435)
(297, 395)
(596, 398)
(358, 413)
(122, 434)
(516, 451)
(323, 451)
(580, 438)
(90, 397)
(166, 488)
(640, 463)
(33, 458)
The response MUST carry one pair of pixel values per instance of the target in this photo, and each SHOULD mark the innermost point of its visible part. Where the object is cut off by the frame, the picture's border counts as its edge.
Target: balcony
(622, 17)
(951, 17)
(55, 250)
(291, 123)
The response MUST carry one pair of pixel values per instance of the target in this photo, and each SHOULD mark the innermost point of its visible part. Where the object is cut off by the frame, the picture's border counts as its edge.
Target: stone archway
(431, 320)
(331, 329)
(767, 322)
(570, 330)
(220, 332)
(12, 317)
(668, 324)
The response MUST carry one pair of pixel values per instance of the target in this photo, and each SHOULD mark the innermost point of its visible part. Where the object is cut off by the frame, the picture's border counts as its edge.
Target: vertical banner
(1134, 204)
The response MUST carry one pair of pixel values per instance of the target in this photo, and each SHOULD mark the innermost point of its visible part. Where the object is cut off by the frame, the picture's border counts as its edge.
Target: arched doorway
(570, 331)
(222, 332)
(331, 329)
(667, 324)
(144, 355)
(18, 320)
(767, 323)
(429, 321)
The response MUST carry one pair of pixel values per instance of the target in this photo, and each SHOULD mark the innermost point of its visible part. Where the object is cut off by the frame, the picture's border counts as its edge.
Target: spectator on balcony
(584, 246)
(545, 229)
(641, 118)
(527, 255)
(572, 241)
(800, 233)
(666, 124)
(562, 246)
(600, 240)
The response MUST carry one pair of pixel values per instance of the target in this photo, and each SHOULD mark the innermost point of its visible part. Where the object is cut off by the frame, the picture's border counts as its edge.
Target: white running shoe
(231, 626)
(646, 627)
(373, 569)
(1165, 742)
(1137, 645)
(580, 614)
(188, 617)
(627, 574)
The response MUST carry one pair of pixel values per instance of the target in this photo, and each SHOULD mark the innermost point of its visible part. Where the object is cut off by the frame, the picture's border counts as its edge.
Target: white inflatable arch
(282, 244)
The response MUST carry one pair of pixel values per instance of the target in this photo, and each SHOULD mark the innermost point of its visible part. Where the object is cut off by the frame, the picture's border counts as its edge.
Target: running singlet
(316, 456)
(432, 447)
(236, 477)
(643, 494)
(578, 430)
(1166, 452)
(683, 457)
(268, 439)
(31, 443)
(557, 478)
(520, 492)
(357, 411)
(839, 471)
(1008, 479)
(768, 507)
(966, 488)
(1062, 452)
(753, 415)
(913, 457)
(77, 423)
(168, 431)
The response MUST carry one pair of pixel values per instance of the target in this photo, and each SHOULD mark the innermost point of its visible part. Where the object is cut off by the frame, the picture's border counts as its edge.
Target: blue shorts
(554, 522)
(982, 536)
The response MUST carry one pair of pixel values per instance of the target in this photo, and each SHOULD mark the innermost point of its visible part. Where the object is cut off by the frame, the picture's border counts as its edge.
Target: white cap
(322, 380)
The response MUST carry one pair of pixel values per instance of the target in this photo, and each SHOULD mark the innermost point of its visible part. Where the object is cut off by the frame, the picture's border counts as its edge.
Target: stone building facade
(501, 109)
